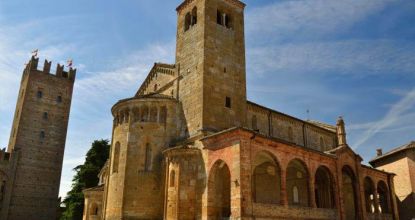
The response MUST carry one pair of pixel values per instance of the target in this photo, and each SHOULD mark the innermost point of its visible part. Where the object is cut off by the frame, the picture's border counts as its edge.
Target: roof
(151, 95)
(96, 188)
(394, 151)
(155, 95)
(152, 72)
(256, 134)
(323, 125)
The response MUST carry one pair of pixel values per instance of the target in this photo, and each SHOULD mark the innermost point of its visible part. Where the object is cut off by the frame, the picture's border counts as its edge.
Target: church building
(189, 145)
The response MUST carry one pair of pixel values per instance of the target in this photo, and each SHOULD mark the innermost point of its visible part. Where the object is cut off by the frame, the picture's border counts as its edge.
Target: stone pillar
(375, 199)
(158, 115)
(311, 194)
(392, 195)
(284, 199)
(130, 114)
(341, 132)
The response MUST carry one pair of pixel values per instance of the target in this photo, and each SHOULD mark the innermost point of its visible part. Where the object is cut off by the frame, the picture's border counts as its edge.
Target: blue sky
(354, 58)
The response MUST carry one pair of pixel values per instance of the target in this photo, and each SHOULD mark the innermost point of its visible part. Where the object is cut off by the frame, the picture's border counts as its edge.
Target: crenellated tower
(210, 57)
(38, 141)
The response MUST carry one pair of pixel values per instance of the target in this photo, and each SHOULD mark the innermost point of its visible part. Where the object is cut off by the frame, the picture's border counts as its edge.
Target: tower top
(341, 132)
(233, 2)
(32, 65)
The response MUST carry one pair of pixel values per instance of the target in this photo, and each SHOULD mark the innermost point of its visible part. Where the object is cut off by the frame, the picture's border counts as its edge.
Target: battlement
(32, 65)
(185, 3)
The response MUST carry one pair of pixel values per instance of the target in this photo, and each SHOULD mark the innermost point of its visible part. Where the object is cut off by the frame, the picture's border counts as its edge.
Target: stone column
(284, 199)
(311, 194)
(375, 199)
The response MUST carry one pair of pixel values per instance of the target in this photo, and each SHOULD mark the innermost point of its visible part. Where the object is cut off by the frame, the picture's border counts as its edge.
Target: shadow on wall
(182, 130)
(407, 207)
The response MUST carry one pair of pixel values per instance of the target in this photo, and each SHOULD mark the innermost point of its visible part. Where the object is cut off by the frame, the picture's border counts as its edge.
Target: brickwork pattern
(217, 155)
(37, 142)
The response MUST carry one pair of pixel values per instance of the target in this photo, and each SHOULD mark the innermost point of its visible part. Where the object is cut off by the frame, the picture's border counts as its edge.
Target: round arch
(219, 191)
(369, 188)
(93, 209)
(349, 193)
(297, 183)
(266, 179)
(383, 195)
(323, 188)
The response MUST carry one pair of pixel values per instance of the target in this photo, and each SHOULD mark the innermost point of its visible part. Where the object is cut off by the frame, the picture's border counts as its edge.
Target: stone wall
(271, 123)
(190, 64)
(211, 62)
(186, 183)
(403, 165)
(267, 212)
(224, 76)
(143, 128)
(39, 134)
(242, 165)
(93, 203)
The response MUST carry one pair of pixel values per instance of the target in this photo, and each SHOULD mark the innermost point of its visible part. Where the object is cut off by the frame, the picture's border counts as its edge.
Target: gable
(159, 80)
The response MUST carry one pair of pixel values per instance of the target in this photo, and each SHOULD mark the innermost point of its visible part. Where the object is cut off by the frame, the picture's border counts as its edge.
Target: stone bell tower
(210, 57)
(38, 141)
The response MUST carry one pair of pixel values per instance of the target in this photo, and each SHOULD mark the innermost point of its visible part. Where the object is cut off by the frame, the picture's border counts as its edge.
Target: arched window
(297, 181)
(187, 21)
(296, 199)
(93, 210)
(147, 164)
(122, 117)
(219, 191)
(163, 115)
(155, 87)
(194, 16)
(116, 157)
(127, 116)
(153, 114)
(136, 114)
(219, 18)
(383, 197)
(172, 178)
(228, 21)
(323, 186)
(42, 135)
(266, 187)
(254, 123)
(59, 99)
(349, 193)
(39, 94)
(45, 115)
(144, 114)
(369, 195)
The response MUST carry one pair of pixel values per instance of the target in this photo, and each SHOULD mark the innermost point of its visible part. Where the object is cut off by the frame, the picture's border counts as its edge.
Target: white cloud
(395, 117)
(319, 17)
(347, 56)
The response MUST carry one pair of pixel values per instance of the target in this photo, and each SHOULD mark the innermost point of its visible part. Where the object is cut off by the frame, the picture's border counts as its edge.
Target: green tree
(86, 176)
